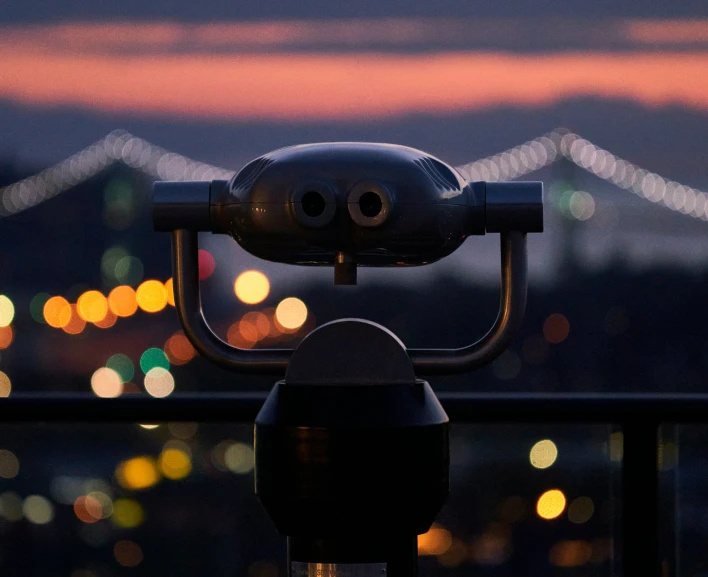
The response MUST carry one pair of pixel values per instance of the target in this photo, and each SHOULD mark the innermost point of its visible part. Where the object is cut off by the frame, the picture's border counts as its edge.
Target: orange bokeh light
(108, 321)
(6, 336)
(92, 306)
(88, 509)
(57, 312)
(179, 350)
(76, 324)
(151, 296)
(259, 321)
(122, 301)
(170, 289)
(556, 328)
(235, 338)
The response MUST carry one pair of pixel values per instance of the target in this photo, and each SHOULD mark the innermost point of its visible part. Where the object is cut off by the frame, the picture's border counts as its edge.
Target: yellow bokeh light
(435, 542)
(291, 313)
(92, 306)
(127, 513)
(151, 296)
(122, 301)
(551, 504)
(239, 458)
(170, 290)
(175, 464)
(106, 383)
(543, 454)
(57, 312)
(7, 311)
(252, 287)
(5, 385)
(159, 382)
(137, 473)
(38, 510)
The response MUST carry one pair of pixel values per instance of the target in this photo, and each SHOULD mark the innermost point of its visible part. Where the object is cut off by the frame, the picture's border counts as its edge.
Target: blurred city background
(605, 104)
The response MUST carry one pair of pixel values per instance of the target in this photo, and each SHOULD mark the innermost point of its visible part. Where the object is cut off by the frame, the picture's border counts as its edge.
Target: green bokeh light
(122, 365)
(37, 307)
(110, 259)
(129, 270)
(152, 358)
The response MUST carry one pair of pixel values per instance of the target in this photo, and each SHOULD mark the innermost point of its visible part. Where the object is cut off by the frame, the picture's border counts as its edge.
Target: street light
(352, 459)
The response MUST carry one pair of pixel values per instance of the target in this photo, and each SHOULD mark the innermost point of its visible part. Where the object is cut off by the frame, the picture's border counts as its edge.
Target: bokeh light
(9, 464)
(239, 458)
(252, 287)
(5, 385)
(151, 296)
(11, 506)
(170, 291)
(37, 306)
(108, 321)
(581, 510)
(179, 350)
(137, 473)
(556, 328)
(128, 553)
(207, 264)
(7, 311)
(106, 383)
(127, 513)
(174, 464)
(551, 504)
(122, 301)
(159, 382)
(581, 205)
(153, 357)
(92, 306)
(38, 510)
(571, 553)
(76, 324)
(57, 312)
(109, 260)
(88, 509)
(543, 454)
(435, 542)
(129, 270)
(291, 313)
(6, 336)
(122, 365)
(183, 430)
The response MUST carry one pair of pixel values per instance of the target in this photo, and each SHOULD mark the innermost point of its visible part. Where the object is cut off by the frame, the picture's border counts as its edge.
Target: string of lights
(549, 148)
(121, 146)
(118, 146)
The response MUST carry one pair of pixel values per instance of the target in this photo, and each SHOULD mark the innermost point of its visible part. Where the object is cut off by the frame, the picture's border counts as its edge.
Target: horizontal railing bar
(460, 407)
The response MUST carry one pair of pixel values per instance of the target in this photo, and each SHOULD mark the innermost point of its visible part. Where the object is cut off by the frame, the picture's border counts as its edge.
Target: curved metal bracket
(185, 264)
(425, 361)
(512, 306)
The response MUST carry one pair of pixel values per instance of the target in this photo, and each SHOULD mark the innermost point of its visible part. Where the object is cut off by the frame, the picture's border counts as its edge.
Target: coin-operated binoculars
(352, 459)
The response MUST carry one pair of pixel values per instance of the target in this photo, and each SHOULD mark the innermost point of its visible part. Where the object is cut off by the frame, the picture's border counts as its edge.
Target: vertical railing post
(640, 495)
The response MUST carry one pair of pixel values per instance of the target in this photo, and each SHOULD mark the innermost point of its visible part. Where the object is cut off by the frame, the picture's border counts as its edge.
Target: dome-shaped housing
(379, 204)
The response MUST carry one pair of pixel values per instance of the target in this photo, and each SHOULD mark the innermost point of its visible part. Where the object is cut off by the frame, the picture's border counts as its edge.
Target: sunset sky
(275, 70)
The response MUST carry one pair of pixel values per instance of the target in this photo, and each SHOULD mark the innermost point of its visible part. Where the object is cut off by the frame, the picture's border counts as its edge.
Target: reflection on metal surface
(299, 569)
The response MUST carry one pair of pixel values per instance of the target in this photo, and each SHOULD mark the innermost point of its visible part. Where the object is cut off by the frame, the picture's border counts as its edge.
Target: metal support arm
(512, 306)
(185, 265)
(425, 361)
